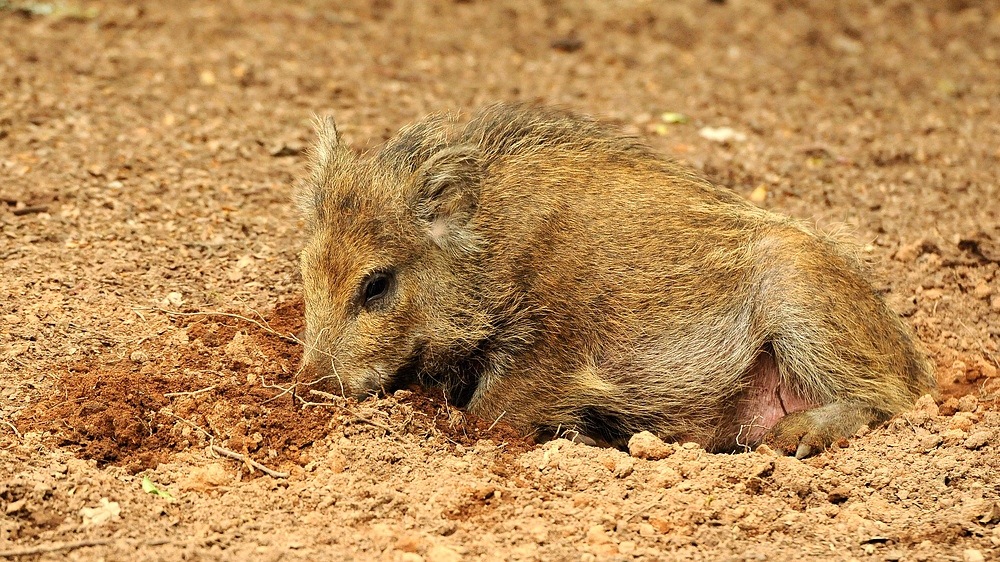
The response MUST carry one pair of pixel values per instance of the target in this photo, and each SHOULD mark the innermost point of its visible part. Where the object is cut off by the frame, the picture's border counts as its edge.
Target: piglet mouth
(376, 382)
(311, 381)
(381, 381)
(362, 396)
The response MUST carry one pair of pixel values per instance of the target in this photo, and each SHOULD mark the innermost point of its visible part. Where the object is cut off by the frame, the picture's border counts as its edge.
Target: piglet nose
(312, 376)
(362, 396)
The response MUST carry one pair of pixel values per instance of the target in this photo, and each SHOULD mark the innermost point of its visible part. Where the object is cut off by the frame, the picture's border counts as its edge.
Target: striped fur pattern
(545, 268)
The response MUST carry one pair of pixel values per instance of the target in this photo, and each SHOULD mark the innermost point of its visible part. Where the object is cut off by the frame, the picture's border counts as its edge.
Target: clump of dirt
(227, 383)
(231, 384)
(462, 427)
(137, 169)
(110, 416)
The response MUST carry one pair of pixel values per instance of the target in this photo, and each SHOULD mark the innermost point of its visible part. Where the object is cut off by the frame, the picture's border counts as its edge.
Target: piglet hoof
(809, 432)
(797, 434)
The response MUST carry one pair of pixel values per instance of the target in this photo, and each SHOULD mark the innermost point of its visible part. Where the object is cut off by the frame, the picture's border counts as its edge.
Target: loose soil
(149, 296)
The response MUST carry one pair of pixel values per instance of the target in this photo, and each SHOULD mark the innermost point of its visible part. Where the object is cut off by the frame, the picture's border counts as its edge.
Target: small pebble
(722, 134)
(977, 439)
(973, 555)
(963, 421)
(949, 407)
(666, 477)
(624, 467)
(968, 403)
(987, 369)
(661, 525)
(14, 507)
(908, 252)
(645, 445)
(930, 441)
(958, 370)
(440, 553)
(596, 535)
(927, 404)
(172, 299)
(408, 543)
(953, 436)
(933, 294)
(839, 494)
(981, 291)
(763, 449)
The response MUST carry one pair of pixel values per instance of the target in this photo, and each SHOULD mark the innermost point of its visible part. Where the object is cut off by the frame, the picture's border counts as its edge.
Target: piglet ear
(445, 197)
(327, 145)
(327, 156)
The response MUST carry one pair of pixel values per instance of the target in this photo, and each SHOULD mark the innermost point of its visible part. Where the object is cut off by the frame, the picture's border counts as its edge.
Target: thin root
(262, 325)
(14, 429)
(496, 421)
(747, 427)
(51, 547)
(191, 393)
(646, 507)
(371, 422)
(247, 460)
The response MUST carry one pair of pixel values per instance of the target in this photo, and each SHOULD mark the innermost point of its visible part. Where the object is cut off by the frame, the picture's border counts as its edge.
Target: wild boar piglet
(538, 265)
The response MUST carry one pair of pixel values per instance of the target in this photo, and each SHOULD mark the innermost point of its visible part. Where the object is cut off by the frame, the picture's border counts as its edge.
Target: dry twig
(55, 547)
(232, 454)
(245, 459)
(97, 335)
(284, 390)
(496, 421)
(30, 210)
(191, 393)
(262, 325)
(387, 429)
(207, 434)
(16, 432)
(51, 547)
(646, 507)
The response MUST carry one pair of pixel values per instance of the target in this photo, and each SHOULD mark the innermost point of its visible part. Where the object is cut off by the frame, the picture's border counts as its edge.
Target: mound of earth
(150, 406)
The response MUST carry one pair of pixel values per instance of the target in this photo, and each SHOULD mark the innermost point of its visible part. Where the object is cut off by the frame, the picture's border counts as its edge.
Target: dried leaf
(722, 134)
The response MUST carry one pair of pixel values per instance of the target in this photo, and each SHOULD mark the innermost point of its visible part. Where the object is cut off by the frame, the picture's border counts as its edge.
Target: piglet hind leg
(772, 411)
(808, 432)
(836, 346)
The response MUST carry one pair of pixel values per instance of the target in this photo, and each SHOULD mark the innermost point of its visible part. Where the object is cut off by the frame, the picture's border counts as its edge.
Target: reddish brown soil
(128, 413)
(148, 157)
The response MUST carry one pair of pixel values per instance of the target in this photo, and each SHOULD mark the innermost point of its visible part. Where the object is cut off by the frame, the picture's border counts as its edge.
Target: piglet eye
(377, 286)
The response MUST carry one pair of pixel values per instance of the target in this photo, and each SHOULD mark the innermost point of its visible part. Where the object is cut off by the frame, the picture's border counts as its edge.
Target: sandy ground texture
(148, 157)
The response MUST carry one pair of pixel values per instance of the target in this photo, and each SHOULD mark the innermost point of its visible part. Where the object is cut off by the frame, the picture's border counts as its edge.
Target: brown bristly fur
(541, 266)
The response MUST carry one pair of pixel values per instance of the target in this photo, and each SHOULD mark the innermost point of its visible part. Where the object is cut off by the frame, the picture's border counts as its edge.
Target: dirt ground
(148, 159)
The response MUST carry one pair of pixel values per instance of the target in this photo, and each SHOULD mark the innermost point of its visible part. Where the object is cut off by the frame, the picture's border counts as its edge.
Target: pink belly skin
(764, 402)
